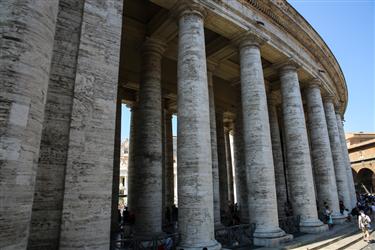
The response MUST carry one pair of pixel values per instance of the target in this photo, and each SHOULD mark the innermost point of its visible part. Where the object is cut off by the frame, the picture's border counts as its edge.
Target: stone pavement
(346, 236)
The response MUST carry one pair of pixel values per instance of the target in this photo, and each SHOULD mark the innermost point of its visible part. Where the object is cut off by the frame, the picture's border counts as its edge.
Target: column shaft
(222, 162)
(240, 166)
(27, 38)
(346, 159)
(132, 193)
(147, 172)
(49, 185)
(298, 153)
(281, 191)
(116, 166)
(258, 147)
(228, 154)
(325, 180)
(86, 213)
(195, 194)
(337, 155)
(214, 156)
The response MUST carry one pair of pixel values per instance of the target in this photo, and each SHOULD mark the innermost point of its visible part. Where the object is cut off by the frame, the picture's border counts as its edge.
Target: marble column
(240, 165)
(336, 149)
(298, 154)
(228, 157)
(325, 180)
(214, 157)
(258, 147)
(87, 202)
(222, 163)
(49, 184)
(168, 156)
(27, 38)
(147, 171)
(346, 159)
(132, 193)
(195, 194)
(281, 190)
(116, 166)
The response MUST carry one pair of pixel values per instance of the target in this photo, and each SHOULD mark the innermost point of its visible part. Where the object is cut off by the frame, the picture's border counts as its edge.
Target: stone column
(346, 159)
(278, 161)
(86, 213)
(132, 193)
(258, 147)
(214, 157)
(147, 171)
(222, 162)
(229, 166)
(298, 153)
(336, 149)
(240, 165)
(27, 38)
(325, 180)
(116, 166)
(49, 184)
(168, 154)
(195, 195)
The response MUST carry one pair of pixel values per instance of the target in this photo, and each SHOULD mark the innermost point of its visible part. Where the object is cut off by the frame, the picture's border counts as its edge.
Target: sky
(348, 28)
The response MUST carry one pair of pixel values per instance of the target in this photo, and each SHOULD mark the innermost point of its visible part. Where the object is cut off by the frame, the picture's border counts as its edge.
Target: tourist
(342, 207)
(328, 214)
(364, 224)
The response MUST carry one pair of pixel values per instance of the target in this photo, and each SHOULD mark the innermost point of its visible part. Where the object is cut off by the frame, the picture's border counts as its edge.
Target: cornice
(281, 13)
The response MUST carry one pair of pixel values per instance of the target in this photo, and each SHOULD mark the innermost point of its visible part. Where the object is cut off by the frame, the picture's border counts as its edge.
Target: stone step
(318, 241)
(345, 243)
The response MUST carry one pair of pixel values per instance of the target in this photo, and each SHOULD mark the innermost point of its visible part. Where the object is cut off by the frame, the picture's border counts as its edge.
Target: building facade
(255, 69)
(361, 147)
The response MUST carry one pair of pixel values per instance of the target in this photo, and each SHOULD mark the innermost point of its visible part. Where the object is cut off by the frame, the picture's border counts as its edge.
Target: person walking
(364, 224)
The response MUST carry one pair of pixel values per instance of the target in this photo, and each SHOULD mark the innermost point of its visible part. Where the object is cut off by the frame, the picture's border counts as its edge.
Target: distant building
(361, 147)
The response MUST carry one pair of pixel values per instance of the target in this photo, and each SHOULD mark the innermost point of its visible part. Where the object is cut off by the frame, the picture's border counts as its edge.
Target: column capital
(153, 45)
(211, 66)
(187, 7)
(314, 83)
(287, 65)
(249, 38)
(329, 98)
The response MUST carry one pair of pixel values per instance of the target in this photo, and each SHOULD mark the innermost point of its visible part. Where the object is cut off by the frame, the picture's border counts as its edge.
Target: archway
(365, 179)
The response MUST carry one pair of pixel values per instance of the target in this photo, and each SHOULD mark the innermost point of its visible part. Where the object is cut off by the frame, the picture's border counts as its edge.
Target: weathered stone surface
(116, 165)
(346, 160)
(89, 171)
(325, 181)
(222, 162)
(195, 195)
(337, 154)
(49, 186)
(228, 156)
(147, 172)
(214, 156)
(258, 147)
(298, 154)
(27, 38)
(278, 161)
(132, 193)
(240, 165)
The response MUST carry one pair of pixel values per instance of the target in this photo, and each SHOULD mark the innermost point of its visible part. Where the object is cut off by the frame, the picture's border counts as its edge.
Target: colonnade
(314, 154)
(265, 149)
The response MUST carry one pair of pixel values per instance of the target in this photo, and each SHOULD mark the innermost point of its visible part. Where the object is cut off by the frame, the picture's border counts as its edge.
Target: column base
(338, 219)
(211, 245)
(270, 238)
(312, 226)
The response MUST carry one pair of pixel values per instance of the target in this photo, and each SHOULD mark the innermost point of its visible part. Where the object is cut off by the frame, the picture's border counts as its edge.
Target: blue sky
(348, 28)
